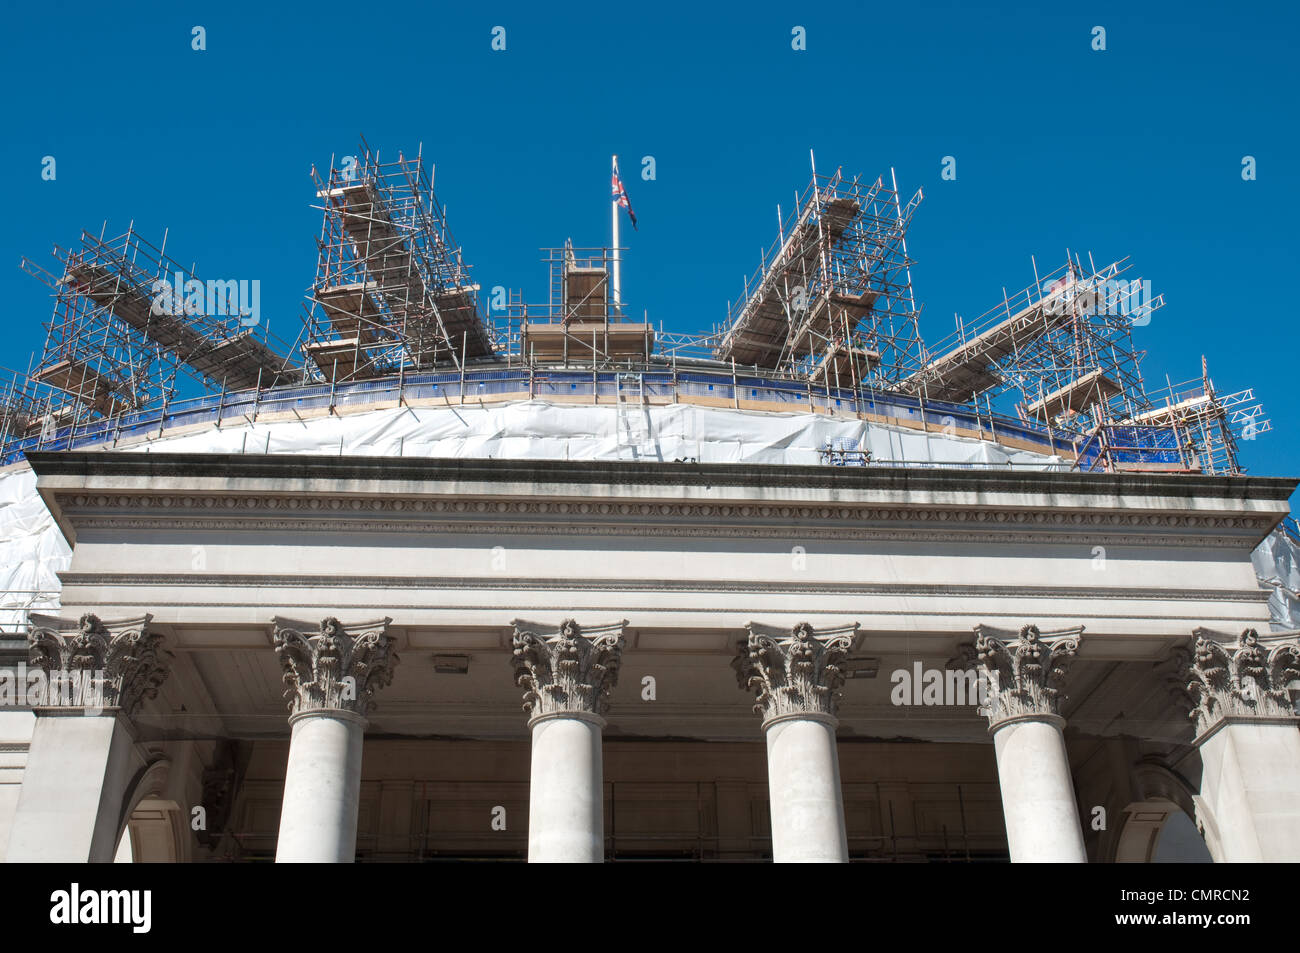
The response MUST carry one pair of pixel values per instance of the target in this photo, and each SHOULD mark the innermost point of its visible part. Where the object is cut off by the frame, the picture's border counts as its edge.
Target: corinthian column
(567, 673)
(796, 677)
(1236, 691)
(330, 678)
(1026, 676)
(84, 685)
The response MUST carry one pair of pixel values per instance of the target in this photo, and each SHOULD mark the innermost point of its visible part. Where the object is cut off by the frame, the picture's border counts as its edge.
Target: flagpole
(613, 208)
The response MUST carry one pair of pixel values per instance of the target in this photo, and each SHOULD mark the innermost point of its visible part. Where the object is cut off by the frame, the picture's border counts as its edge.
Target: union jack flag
(620, 195)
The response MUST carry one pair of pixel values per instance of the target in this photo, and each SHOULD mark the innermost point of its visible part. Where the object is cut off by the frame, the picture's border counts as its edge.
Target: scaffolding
(829, 318)
(392, 291)
(19, 408)
(579, 321)
(832, 298)
(1208, 424)
(1061, 349)
(129, 322)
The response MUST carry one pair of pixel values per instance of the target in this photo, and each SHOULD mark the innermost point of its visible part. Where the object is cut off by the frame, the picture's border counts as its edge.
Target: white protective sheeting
(1277, 564)
(537, 430)
(32, 550)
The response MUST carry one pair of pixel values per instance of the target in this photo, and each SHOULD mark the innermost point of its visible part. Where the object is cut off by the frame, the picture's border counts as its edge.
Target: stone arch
(152, 828)
(1155, 781)
(155, 834)
(1160, 824)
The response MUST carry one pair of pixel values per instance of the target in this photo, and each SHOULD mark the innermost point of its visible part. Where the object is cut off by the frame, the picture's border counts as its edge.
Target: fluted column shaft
(796, 677)
(330, 681)
(1026, 676)
(567, 672)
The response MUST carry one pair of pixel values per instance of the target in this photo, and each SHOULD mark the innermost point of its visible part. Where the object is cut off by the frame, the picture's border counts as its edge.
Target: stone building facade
(325, 658)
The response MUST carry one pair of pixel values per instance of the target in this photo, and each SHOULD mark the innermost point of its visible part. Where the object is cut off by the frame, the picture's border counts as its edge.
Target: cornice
(303, 467)
(399, 514)
(1245, 544)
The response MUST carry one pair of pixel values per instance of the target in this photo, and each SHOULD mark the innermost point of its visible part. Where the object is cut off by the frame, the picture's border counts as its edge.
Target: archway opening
(151, 835)
(1160, 832)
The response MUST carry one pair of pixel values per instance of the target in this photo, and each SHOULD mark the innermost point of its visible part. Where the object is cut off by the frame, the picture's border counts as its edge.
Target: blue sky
(1136, 150)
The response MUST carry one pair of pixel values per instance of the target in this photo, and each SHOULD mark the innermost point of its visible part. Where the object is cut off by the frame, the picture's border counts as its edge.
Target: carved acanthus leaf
(113, 665)
(795, 672)
(1026, 671)
(567, 669)
(1245, 678)
(339, 668)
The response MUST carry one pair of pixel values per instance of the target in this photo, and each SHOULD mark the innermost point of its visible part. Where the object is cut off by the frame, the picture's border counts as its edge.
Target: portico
(623, 601)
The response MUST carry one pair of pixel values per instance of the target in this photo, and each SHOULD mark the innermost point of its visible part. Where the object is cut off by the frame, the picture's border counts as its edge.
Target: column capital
(1226, 678)
(337, 669)
(794, 672)
(567, 669)
(112, 666)
(1026, 670)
